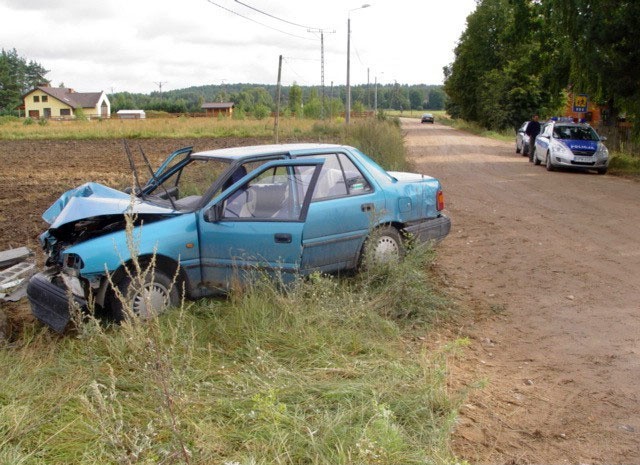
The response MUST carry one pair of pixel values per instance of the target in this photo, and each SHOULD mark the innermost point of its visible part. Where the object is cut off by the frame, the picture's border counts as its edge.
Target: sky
(144, 45)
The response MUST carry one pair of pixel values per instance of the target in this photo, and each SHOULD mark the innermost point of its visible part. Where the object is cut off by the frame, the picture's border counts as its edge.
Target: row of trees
(17, 76)
(307, 101)
(518, 57)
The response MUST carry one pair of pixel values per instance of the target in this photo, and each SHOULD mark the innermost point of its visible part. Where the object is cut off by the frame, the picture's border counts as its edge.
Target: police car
(563, 143)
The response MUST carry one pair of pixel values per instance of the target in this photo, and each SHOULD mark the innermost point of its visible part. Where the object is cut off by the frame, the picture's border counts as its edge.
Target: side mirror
(603, 138)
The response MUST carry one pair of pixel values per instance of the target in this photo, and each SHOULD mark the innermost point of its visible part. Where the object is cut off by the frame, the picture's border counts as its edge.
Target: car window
(277, 193)
(356, 182)
(339, 177)
(331, 180)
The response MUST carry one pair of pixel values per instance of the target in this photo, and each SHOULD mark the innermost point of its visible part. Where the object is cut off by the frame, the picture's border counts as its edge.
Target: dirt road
(550, 264)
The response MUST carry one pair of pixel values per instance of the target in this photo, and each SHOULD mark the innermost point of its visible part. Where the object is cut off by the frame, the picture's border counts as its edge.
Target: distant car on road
(522, 139)
(427, 118)
(563, 144)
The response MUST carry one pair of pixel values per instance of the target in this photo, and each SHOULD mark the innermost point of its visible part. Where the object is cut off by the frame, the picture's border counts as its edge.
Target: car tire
(517, 149)
(383, 246)
(602, 170)
(534, 158)
(162, 293)
(548, 163)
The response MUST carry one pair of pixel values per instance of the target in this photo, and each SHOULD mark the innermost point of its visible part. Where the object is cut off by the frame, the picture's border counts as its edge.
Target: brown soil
(549, 264)
(36, 173)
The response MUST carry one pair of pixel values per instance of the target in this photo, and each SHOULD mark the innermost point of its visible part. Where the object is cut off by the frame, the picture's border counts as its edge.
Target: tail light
(440, 201)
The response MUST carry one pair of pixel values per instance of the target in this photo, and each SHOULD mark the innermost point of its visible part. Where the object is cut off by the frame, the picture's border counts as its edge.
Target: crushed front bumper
(431, 230)
(51, 303)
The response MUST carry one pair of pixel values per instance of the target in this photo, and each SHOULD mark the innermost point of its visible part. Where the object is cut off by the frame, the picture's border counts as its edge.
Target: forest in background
(18, 76)
(520, 57)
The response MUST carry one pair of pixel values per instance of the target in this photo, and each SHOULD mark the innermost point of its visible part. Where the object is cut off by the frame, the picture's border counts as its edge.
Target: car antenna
(155, 179)
(133, 167)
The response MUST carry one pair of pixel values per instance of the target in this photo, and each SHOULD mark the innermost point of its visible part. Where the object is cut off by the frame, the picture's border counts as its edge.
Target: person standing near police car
(533, 129)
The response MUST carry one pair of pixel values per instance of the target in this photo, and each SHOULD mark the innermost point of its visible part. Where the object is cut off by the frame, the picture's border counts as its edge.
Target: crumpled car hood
(92, 199)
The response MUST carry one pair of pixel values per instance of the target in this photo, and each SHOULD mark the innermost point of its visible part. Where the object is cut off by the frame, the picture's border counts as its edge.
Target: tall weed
(318, 371)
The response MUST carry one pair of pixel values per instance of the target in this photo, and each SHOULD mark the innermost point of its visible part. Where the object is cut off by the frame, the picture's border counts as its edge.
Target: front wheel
(548, 164)
(602, 170)
(384, 245)
(145, 297)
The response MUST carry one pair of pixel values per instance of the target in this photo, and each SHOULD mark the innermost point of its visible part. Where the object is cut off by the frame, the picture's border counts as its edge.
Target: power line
(274, 17)
(257, 22)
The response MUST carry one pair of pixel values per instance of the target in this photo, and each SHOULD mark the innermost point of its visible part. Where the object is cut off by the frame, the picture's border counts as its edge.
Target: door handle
(366, 207)
(282, 238)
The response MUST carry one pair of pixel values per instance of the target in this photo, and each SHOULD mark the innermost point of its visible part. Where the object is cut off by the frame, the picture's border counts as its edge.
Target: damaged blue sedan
(202, 219)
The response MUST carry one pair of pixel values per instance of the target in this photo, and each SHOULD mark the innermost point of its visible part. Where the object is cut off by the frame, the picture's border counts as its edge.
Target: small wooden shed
(218, 108)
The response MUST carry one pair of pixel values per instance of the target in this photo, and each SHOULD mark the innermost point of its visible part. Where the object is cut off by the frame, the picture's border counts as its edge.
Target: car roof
(234, 153)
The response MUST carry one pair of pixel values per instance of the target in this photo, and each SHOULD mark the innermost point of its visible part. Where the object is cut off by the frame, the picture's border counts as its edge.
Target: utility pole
(276, 126)
(348, 102)
(159, 84)
(322, 31)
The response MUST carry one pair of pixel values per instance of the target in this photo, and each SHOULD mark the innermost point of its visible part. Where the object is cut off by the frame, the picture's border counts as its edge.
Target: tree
(313, 106)
(495, 78)
(295, 99)
(16, 78)
(416, 99)
(436, 99)
(398, 99)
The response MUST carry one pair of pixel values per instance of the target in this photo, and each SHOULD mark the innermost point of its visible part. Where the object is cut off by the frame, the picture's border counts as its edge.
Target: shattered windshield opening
(183, 188)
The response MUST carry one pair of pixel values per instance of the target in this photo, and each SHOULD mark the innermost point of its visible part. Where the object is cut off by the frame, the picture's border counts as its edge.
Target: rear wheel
(384, 245)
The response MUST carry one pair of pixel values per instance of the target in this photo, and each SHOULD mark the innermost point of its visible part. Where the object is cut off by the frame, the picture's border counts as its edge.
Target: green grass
(622, 164)
(182, 127)
(504, 135)
(328, 370)
(325, 371)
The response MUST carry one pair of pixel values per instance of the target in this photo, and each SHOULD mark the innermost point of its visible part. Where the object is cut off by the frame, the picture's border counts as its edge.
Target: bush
(28, 121)
(8, 119)
(624, 164)
(261, 111)
(382, 141)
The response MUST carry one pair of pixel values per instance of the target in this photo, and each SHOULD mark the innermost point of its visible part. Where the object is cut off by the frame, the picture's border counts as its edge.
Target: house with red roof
(65, 103)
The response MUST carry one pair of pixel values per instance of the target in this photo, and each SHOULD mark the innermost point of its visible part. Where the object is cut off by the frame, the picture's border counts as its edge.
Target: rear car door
(257, 224)
(344, 208)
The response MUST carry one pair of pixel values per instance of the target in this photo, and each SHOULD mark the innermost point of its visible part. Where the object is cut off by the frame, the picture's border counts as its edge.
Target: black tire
(534, 158)
(602, 170)
(162, 295)
(548, 164)
(384, 245)
(517, 149)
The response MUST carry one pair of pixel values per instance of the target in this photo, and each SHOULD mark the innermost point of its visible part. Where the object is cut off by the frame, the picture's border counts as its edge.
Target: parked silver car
(522, 140)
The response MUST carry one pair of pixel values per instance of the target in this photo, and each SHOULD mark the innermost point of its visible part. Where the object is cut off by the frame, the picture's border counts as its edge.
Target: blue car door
(257, 224)
(344, 208)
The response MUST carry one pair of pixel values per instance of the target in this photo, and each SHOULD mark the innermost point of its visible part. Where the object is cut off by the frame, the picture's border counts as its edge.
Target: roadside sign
(580, 103)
